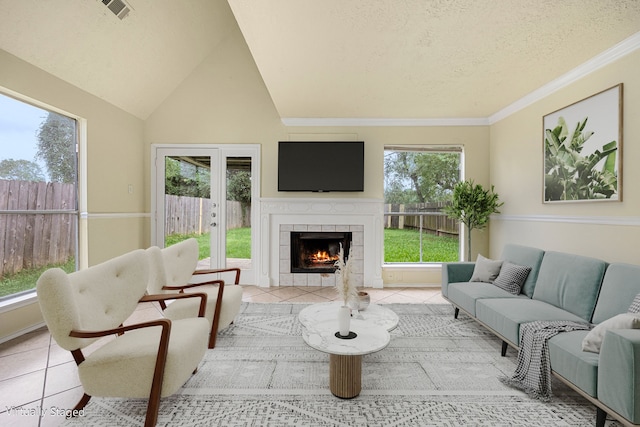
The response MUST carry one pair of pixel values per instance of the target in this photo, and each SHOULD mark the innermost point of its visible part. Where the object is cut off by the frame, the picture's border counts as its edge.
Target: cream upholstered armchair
(173, 269)
(145, 360)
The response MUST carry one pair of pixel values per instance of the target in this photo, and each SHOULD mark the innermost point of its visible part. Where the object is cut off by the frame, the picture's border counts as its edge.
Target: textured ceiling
(134, 63)
(408, 59)
(422, 58)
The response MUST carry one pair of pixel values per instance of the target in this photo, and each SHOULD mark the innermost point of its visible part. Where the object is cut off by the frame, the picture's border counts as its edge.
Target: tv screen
(321, 166)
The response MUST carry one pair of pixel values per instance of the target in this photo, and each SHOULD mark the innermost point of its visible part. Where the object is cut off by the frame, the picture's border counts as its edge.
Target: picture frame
(582, 149)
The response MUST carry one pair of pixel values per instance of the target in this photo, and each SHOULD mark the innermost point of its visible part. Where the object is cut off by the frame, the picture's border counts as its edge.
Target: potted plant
(472, 205)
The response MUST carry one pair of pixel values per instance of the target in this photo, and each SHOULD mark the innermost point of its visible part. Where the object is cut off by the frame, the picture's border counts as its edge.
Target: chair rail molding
(573, 219)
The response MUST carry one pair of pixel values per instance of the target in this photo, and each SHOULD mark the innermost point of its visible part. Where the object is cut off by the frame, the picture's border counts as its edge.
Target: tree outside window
(38, 194)
(418, 184)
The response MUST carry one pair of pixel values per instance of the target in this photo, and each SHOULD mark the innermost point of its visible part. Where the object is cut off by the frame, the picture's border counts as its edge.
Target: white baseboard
(22, 332)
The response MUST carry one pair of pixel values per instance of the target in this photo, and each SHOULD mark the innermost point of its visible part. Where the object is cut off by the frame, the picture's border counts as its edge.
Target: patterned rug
(437, 371)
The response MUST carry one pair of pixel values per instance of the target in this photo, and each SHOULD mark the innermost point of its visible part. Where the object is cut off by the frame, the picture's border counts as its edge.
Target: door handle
(214, 224)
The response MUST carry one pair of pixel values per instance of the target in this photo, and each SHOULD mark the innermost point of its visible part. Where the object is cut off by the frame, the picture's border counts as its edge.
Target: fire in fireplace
(317, 252)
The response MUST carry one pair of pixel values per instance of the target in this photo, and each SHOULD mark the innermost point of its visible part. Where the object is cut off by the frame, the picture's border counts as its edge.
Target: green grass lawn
(26, 279)
(404, 246)
(399, 246)
(238, 242)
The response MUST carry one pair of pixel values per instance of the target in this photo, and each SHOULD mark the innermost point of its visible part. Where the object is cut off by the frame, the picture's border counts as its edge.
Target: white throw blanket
(533, 373)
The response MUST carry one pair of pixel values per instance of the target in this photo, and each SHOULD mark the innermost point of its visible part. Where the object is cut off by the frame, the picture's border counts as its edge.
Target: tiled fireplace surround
(362, 217)
(356, 255)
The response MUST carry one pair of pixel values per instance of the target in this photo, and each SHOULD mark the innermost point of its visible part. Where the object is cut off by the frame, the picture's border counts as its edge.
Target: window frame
(25, 298)
(440, 148)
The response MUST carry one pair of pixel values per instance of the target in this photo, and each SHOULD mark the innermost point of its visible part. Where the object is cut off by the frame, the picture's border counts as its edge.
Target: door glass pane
(239, 212)
(188, 200)
(38, 194)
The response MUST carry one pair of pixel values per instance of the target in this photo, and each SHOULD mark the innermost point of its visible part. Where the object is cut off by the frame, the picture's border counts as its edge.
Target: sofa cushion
(525, 255)
(593, 340)
(465, 294)
(570, 282)
(512, 277)
(569, 361)
(454, 272)
(485, 270)
(505, 315)
(620, 286)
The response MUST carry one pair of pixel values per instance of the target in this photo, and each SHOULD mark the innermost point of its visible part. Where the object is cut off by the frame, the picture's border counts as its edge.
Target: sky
(19, 123)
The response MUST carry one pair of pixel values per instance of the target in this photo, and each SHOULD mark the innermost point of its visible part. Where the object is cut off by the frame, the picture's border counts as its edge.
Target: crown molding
(356, 122)
(625, 47)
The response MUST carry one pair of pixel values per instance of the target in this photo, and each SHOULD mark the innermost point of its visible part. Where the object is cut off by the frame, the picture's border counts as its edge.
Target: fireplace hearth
(317, 251)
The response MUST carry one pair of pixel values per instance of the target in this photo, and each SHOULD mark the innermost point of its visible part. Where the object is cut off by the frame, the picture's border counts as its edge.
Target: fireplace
(363, 218)
(317, 251)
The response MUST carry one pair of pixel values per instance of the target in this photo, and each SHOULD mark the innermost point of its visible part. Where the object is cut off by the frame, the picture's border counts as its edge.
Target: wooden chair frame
(216, 314)
(163, 350)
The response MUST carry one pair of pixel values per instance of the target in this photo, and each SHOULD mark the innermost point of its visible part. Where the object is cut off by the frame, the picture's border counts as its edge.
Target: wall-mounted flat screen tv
(320, 166)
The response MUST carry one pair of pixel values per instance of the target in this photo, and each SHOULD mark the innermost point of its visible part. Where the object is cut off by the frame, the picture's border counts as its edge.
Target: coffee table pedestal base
(345, 375)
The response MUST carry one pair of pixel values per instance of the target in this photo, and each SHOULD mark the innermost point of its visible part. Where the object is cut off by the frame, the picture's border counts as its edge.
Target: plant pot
(363, 300)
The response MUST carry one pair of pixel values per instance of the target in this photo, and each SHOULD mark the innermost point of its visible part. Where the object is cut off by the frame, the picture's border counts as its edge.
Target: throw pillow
(635, 305)
(593, 340)
(512, 277)
(485, 270)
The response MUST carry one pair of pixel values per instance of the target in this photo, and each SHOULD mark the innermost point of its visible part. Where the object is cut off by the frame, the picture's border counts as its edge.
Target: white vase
(344, 320)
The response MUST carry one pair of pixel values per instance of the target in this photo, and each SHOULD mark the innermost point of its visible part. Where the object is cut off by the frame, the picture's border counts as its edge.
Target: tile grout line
(44, 382)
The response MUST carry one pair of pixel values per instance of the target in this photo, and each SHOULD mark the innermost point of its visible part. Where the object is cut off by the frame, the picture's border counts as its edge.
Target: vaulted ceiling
(405, 59)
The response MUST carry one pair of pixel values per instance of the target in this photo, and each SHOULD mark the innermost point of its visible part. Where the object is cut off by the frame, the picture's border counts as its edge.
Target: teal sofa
(562, 286)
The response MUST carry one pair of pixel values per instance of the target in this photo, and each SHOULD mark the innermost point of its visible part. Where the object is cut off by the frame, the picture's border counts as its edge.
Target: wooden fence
(190, 215)
(32, 240)
(431, 215)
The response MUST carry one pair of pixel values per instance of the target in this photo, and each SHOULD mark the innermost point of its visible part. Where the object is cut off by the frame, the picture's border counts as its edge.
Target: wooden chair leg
(456, 312)
(158, 375)
(216, 317)
(212, 337)
(82, 403)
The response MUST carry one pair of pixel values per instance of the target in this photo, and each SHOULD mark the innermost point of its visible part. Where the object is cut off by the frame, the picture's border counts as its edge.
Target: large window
(38, 194)
(418, 183)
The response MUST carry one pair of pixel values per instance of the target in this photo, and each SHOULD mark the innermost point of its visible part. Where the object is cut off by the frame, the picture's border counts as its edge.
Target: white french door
(188, 197)
(194, 192)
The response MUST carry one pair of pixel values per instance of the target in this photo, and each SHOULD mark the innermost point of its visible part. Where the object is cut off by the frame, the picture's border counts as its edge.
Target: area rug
(436, 371)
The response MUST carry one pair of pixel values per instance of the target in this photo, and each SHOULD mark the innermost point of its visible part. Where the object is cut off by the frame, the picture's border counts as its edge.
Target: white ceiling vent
(118, 7)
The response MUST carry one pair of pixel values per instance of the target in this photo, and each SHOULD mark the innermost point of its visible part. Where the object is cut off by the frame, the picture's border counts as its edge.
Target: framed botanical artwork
(583, 150)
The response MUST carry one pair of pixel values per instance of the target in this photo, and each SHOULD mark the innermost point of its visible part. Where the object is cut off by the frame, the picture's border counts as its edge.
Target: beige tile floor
(37, 377)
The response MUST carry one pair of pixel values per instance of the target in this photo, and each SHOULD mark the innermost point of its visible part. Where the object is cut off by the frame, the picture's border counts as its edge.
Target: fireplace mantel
(316, 212)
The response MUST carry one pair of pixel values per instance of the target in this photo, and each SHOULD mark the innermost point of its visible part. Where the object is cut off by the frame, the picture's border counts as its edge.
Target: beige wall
(225, 101)
(606, 230)
(117, 221)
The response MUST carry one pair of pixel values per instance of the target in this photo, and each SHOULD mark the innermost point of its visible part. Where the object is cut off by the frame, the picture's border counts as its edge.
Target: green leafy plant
(571, 176)
(472, 205)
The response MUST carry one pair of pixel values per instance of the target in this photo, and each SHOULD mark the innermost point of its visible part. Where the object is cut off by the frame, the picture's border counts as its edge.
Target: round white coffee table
(374, 314)
(345, 355)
